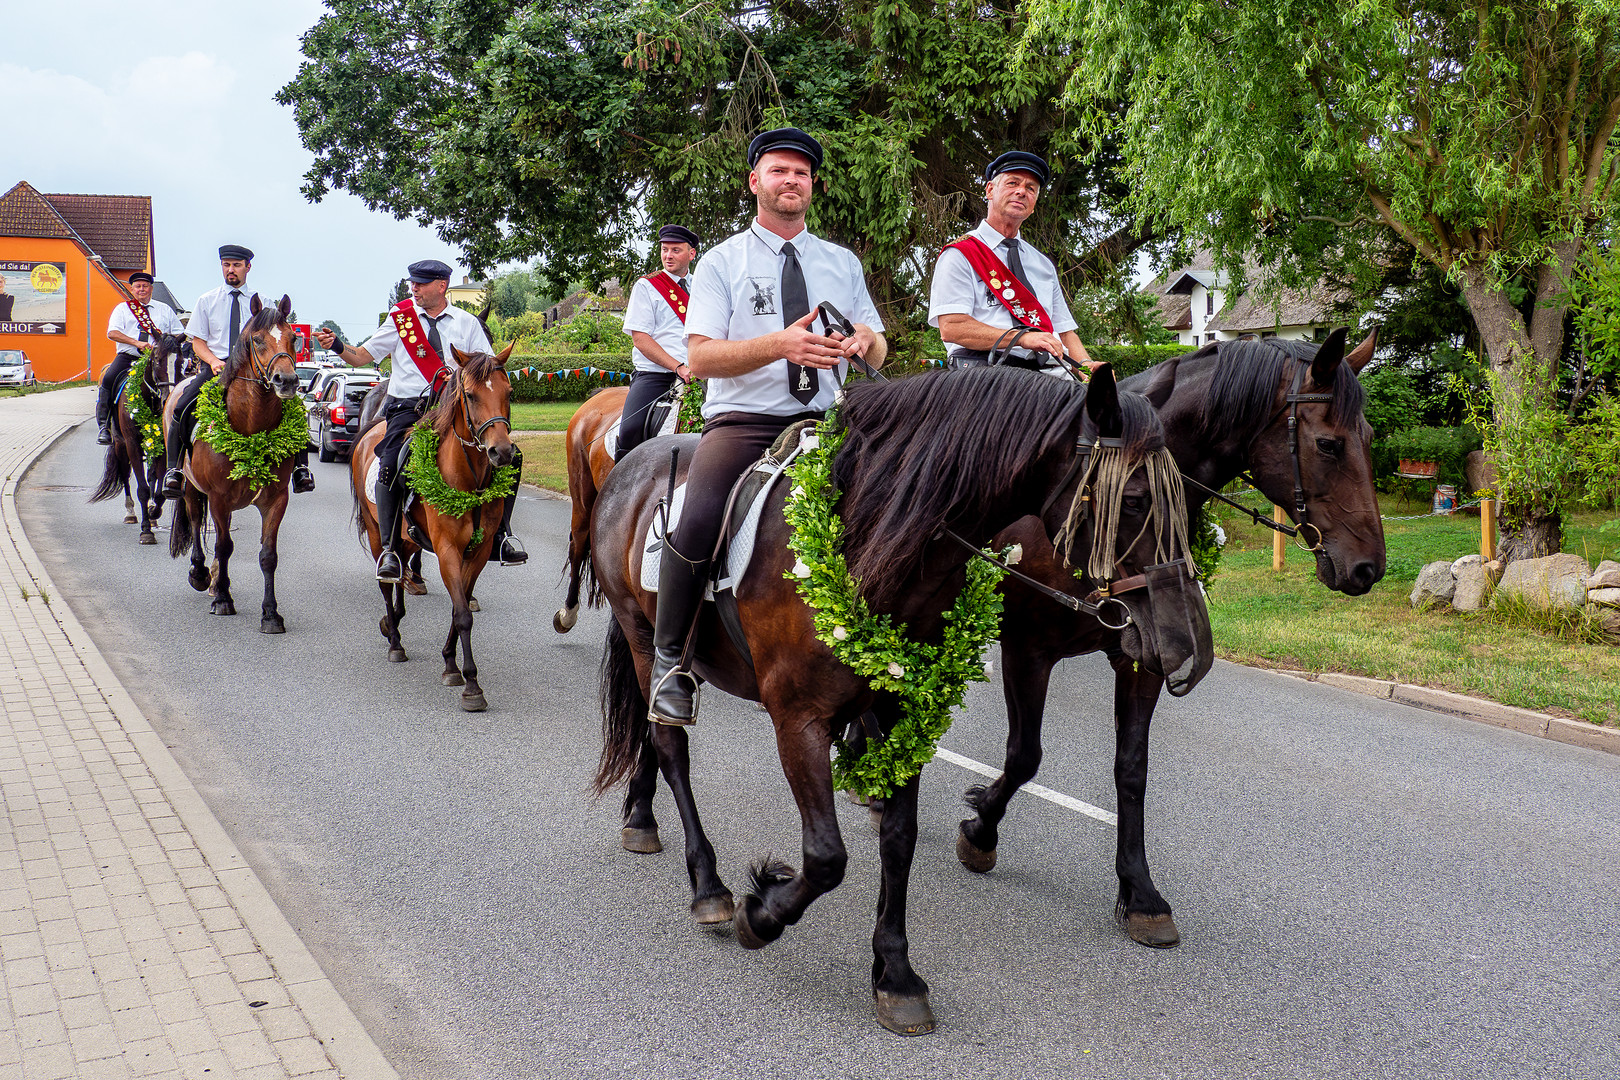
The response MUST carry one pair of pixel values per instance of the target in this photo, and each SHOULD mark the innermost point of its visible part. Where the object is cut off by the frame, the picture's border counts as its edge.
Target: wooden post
(1487, 529)
(1278, 541)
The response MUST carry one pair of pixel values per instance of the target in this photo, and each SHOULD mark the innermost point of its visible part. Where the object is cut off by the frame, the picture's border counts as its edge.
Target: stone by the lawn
(1475, 559)
(1473, 587)
(1548, 582)
(1605, 597)
(1434, 585)
(1606, 576)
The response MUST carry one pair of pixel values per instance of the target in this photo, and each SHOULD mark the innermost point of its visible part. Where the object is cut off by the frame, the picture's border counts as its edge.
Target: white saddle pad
(372, 472)
(738, 554)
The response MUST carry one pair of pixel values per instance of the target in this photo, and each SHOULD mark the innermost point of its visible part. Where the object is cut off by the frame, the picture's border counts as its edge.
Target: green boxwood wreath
(147, 422)
(255, 458)
(423, 477)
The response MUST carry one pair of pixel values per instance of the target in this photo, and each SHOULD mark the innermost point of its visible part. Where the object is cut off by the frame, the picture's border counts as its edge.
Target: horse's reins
(477, 441)
(1092, 605)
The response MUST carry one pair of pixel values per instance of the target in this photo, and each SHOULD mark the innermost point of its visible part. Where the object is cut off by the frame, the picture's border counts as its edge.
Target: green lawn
(545, 460)
(542, 415)
(1288, 619)
(42, 388)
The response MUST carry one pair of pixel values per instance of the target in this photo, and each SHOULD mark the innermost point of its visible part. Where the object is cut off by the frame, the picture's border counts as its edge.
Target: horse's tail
(115, 473)
(180, 529)
(624, 712)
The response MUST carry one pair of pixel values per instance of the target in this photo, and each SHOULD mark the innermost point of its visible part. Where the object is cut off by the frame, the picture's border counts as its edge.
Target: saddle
(660, 418)
(738, 532)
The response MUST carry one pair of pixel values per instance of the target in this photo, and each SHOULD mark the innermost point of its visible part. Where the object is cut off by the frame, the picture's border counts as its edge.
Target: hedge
(1447, 446)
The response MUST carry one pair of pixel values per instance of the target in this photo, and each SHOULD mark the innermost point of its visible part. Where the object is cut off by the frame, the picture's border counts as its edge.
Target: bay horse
(126, 454)
(256, 380)
(966, 451)
(474, 413)
(588, 466)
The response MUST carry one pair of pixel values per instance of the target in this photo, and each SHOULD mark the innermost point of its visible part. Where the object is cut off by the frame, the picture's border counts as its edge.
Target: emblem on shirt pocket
(764, 295)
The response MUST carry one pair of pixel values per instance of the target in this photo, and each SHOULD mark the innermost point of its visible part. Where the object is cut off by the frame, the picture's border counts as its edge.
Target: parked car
(306, 375)
(15, 370)
(324, 376)
(334, 416)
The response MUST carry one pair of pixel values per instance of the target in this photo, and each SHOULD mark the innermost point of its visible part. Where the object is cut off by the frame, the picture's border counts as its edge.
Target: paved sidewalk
(134, 939)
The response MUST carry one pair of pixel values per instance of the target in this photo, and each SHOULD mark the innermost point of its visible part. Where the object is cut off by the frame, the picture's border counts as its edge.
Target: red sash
(416, 343)
(671, 292)
(143, 319)
(1013, 294)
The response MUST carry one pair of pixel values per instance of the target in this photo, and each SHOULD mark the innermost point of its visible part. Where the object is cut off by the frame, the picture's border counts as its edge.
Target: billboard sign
(33, 297)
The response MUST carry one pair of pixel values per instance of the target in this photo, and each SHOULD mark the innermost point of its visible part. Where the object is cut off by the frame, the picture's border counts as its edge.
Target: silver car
(15, 370)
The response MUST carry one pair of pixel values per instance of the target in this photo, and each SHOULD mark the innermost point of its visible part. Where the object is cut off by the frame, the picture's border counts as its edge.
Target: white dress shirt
(211, 318)
(649, 313)
(737, 295)
(457, 328)
(958, 290)
(123, 321)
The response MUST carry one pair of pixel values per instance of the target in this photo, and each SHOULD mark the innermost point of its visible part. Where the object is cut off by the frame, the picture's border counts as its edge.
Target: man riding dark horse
(766, 369)
(216, 323)
(419, 335)
(135, 324)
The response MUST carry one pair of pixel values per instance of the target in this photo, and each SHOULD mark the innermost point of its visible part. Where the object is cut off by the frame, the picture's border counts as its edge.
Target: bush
(533, 387)
(1448, 447)
(1392, 400)
(1596, 444)
(1130, 360)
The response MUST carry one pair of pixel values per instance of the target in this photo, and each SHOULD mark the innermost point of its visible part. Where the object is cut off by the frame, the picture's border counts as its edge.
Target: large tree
(566, 133)
(1309, 134)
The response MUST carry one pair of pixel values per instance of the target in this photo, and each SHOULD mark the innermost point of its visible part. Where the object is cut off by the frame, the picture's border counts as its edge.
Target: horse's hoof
(222, 607)
(473, 703)
(1154, 931)
(743, 929)
(198, 581)
(980, 862)
(472, 604)
(564, 620)
(714, 910)
(272, 626)
(452, 678)
(147, 538)
(904, 1014)
(130, 519)
(414, 585)
(644, 842)
(397, 656)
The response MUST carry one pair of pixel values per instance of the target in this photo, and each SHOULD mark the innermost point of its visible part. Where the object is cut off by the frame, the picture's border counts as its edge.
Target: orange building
(65, 262)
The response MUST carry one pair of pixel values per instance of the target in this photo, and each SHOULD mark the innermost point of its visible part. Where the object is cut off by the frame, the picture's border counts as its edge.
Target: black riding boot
(508, 548)
(302, 479)
(680, 594)
(389, 502)
(177, 445)
(104, 412)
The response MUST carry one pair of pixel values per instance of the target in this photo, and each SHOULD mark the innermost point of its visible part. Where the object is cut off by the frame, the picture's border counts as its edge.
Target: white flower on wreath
(840, 634)
(809, 442)
(800, 570)
(1015, 554)
(896, 670)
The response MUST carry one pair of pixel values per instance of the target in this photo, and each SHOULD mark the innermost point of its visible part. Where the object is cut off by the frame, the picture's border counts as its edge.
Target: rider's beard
(772, 202)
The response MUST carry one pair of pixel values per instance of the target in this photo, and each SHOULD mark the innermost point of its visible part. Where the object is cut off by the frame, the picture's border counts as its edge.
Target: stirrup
(174, 484)
(509, 550)
(395, 572)
(302, 479)
(697, 697)
(104, 434)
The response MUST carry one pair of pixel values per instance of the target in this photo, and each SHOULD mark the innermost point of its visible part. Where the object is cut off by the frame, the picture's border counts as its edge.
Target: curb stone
(1482, 710)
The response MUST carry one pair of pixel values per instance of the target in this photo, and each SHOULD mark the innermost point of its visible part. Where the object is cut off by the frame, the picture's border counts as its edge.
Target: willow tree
(565, 133)
(1308, 134)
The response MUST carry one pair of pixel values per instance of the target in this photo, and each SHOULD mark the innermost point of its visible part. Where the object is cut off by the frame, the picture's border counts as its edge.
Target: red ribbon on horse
(1004, 286)
(675, 296)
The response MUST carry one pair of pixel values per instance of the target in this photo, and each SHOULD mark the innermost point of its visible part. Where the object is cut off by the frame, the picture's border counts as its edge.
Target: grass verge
(41, 388)
(542, 415)
(545, 460)
(1288, 619)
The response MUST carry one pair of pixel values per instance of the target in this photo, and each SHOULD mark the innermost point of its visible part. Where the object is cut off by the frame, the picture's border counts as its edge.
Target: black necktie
(682, 283)
(145, 336)
(236, 316)
(433, 336)
(1014, 262)
(803, 382)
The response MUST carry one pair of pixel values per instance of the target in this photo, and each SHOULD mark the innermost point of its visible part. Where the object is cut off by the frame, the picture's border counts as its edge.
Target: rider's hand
(1047, 343)
(802, 346)
(325, 337)
(858, 345)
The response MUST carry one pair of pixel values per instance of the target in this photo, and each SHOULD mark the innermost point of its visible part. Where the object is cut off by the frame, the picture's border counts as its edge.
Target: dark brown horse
(126, 456)
(1226, 411)
(588, 466)
(257, 379)
(474, 423)
(970, 452)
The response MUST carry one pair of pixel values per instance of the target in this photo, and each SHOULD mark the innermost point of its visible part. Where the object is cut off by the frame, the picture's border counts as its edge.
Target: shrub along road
(1363, 889)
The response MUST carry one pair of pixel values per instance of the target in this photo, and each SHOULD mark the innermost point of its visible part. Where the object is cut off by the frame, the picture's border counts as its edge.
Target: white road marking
(1067, 801)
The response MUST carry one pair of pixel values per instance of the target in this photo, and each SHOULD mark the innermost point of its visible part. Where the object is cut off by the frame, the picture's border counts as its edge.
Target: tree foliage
(566, 133)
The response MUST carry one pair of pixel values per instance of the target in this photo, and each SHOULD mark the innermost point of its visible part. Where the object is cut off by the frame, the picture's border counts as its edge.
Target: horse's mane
(268, 318)
(1247, 374)
(939, 449)
(478, 367)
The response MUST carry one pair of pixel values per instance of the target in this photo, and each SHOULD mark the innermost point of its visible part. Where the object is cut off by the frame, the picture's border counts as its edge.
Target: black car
(334, 417)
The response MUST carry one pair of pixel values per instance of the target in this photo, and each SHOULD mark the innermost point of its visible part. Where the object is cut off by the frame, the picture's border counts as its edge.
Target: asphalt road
(1363, 889)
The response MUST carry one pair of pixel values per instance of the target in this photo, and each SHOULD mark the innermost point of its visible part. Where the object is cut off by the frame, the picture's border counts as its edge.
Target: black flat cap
(428, 270)
(235, 251)
(677, 234)
(1019, 160)
(785, 139)
(140, 275)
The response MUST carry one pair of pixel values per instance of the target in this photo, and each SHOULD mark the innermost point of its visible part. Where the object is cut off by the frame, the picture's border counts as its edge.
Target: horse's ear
(1357, 357)
(1102, 403)
(1161, 382)
(504, 353)
(255, 305)
(1328, 357)
(285, 307)
(483, 316)
(461, 357)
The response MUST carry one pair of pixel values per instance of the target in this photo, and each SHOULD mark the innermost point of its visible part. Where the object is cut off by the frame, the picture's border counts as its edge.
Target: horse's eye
(1330, 447)
(1134, 503)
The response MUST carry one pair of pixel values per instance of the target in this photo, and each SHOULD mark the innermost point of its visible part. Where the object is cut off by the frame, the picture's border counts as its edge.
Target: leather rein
(477, 430)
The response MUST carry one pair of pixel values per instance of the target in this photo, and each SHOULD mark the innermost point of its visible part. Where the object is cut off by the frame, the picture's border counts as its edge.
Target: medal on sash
(143, 319)
(416, 343)
(675, 296)
(1014, 295)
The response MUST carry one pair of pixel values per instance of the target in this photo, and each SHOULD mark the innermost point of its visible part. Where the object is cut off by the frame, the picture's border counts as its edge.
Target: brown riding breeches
(730, 443)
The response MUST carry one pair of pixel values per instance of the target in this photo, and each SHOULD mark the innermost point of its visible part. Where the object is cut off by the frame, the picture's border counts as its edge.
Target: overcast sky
(174, 100)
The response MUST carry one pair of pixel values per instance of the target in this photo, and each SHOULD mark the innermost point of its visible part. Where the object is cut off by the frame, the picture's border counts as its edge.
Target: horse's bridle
(260, 372)
(477, 441)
